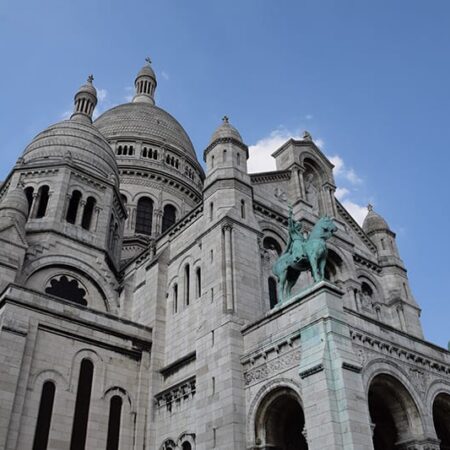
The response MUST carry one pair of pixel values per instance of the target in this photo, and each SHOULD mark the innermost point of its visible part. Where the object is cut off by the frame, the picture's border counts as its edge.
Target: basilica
(139, 309)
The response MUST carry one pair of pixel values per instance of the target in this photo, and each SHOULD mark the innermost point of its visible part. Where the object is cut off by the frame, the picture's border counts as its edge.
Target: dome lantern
(85, 101)
(145, 84)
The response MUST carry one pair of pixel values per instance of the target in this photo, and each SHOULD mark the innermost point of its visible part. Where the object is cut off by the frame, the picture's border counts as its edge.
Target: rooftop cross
(148, 60)
(370, 207)
(90, 78)
(225, 119)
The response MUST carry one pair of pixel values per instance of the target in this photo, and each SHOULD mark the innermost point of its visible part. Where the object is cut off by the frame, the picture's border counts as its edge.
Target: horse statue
(302, 254)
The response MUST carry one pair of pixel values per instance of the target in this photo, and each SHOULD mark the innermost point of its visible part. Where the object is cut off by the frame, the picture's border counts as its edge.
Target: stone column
(227, 233)
(336, 413)
(34, 205)
(80, 212)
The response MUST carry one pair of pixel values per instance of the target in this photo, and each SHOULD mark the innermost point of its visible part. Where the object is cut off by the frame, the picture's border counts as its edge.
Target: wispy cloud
(165, 75)
(260, 160)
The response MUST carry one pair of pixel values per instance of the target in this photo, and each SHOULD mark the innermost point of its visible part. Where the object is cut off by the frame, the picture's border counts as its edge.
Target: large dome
(139, 120)
(73, 140)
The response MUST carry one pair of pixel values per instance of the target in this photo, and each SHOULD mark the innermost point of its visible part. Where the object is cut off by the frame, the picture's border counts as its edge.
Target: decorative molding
(351, 367)
(270, 213)
(270, 177)
(311, 371)
(367, 263)
(173, 367)
(397, 352)
(180, 391)
(275, 366)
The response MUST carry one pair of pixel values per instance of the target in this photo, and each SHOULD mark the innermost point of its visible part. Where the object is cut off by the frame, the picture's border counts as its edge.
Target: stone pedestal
(334, 402)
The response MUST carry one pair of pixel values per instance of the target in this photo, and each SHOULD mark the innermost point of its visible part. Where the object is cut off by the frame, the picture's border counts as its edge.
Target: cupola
(145, 84)
(85, 101)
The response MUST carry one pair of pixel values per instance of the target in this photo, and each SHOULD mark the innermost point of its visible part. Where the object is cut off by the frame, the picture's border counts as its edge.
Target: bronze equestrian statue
(302, 254)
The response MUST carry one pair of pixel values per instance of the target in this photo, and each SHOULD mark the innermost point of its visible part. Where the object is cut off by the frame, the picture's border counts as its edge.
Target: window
(242, 209)
(186, 284)
(272, 292)
(186, 446)
(115, 410)
(211, 211)
(269, 243)
(238, 158)
(82, 403)
(88, 213)
(67, 289)
(144, 216)
(29, 194)
(169, 217)
(43, 195)
(212, 162)
(124, 198)
(44, 416)
(71, 215)
(198, 276)
(175, 298)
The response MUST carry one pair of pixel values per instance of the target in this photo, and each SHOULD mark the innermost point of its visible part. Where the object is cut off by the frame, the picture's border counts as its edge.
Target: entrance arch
(394, 414)
(280, 421)
(441, 419)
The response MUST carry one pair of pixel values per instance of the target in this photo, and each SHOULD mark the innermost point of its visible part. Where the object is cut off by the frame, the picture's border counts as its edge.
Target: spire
(85, 101)
(145, 84)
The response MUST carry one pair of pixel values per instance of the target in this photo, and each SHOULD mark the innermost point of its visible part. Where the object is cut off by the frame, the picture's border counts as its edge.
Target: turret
(145, 84)
(403, 308)
(13, 216)
(85, 101)
(378, 230)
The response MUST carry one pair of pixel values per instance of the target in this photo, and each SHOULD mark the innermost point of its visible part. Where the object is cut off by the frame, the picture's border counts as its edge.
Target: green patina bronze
(302, 254)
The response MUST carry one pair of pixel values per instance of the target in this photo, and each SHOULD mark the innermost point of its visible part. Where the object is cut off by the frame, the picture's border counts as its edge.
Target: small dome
(374, 222)
(88, 87)
(15, 199)
(226, 130)
(73, 140)
(146, 71)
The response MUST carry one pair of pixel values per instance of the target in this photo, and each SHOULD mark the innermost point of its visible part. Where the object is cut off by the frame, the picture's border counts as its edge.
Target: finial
(225, 119)
(148, 60)
(307, 136)
(369, 207)
(90, 78)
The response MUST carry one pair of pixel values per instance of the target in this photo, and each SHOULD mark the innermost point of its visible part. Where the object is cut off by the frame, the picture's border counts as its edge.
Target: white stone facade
(128, 325)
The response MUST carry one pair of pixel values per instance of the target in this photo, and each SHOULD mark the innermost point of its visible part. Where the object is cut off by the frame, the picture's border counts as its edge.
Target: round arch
(276, 417)
(393, 406)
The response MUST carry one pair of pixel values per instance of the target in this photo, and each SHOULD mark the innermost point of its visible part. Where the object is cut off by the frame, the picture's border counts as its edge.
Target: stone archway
(441, 418)
(394, 414)
(280, 422)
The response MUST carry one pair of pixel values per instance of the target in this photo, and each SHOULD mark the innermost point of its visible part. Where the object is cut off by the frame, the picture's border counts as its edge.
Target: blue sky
(368, 79)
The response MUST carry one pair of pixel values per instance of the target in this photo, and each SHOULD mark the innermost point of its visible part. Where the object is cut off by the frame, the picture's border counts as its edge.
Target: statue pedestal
(333, 396)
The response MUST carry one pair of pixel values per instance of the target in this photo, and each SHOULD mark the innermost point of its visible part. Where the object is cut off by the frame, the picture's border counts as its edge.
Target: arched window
(29, 194)
(272, 292)
(238, 158)
(71, 215)
(115, 410)
(175, 298)
(269, 243)
(187, 284)
(186, 446)
(82, 403)
(211, 211)
(169, 216)
(144, 216)
(144, 152)
(43, 201)
(124, 198)
(155, 154)
(67, 289)
(44, 416)
(212, 161)
(198, 276)
(88, 213)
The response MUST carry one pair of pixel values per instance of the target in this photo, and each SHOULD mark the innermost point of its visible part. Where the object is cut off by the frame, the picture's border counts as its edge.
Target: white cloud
(358, 212)
(66, 114)
(101, 95)
(341, 192)
(165, 75)
(260, 159)
(340, 170)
